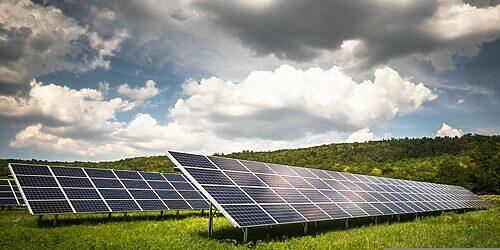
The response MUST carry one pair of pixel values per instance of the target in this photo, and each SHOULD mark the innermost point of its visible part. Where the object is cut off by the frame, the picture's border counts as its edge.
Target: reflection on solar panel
(9, 194)
(60, 190)
(254, 194)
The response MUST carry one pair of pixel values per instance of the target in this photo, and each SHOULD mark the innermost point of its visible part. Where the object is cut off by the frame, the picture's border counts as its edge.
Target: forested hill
(472, 161)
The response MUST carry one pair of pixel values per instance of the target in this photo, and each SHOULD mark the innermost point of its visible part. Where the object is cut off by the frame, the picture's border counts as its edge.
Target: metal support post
(203, 212)
(346, 223)
(161, 213)
(210, 221)
(376, 220)
(55, 219)
(109, 216)
(177, 212)
(245, 234)
(305, 227)
(39, 221)
(399, 218)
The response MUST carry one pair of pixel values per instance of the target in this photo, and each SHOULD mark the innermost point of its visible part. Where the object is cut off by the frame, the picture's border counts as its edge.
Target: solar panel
(59, 190)
(253, 193)
(9, 194)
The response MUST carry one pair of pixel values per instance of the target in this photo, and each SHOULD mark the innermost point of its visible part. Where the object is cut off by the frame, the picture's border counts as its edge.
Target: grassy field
(19, 230)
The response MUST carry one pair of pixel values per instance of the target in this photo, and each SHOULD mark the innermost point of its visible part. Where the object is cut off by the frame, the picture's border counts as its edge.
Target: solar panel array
(9, 194)
(60, 190)
(252, 193)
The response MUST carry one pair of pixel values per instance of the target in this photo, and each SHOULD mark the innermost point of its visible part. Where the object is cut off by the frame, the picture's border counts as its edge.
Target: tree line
(472, 161)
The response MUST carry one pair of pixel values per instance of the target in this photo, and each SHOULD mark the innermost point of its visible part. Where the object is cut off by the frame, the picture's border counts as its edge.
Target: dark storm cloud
(297, 29)
(300, 29)
(13, 44)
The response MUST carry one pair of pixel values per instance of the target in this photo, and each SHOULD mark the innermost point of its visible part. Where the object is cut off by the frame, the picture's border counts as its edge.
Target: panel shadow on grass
(288, 231)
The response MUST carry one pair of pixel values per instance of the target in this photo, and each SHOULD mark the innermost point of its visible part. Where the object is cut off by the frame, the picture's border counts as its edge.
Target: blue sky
(103, 80)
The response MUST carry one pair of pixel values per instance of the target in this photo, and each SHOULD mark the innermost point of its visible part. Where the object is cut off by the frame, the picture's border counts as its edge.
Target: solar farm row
(252, 193)
(9, 194)
(60, 190)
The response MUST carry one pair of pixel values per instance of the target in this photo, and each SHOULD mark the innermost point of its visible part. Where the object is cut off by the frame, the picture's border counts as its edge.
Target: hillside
(472, 161)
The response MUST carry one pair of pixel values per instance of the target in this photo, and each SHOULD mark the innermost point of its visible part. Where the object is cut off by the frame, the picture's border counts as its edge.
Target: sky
(104, 80)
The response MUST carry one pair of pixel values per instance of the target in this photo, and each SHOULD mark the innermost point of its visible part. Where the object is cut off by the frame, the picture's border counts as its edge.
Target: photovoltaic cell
(209, 176)
(352, 209)
(177, 204)
(245, 179)
(160, 185)
(282, 169)
(248, 215)
(43, 194)
(228, 195)
(168, 194)
(283, 213)
(62, 171)
(273, 180)
(192, 160)
(152, 205)
(182, 185)
(128, 175)
(30, 169)
(257, 167)
(174, 177)
(198, 204)
(263, 195)
(291, 195)
(191, 195)
(152, 176)
(37, 181)
(228, 164)
(74, 182)
(284, 192)
(89, 206)
(311, 212)
(50, 207)
(100, 173)
(81, 193)
(297, 182)
(111, 194)
(333, 210)
(123, 205)
(369, 209)
(314, 195)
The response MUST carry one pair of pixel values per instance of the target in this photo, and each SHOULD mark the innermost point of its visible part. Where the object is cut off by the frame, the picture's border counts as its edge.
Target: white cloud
(288, 103)
(268, 110)
(139, 94)
(36, 40)
(448, 131)
(361, 135)
(67, 112)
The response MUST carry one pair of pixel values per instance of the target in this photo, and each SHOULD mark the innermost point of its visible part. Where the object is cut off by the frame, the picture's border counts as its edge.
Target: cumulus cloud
(448, 131)
(434, 30)
(36, 40)
(284, 108)
(139, 94)
(361, 135)
(288, 103)
(67, 112)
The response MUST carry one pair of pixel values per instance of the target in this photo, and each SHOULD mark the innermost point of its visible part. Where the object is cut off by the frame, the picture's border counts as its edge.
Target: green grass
(19, 230)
